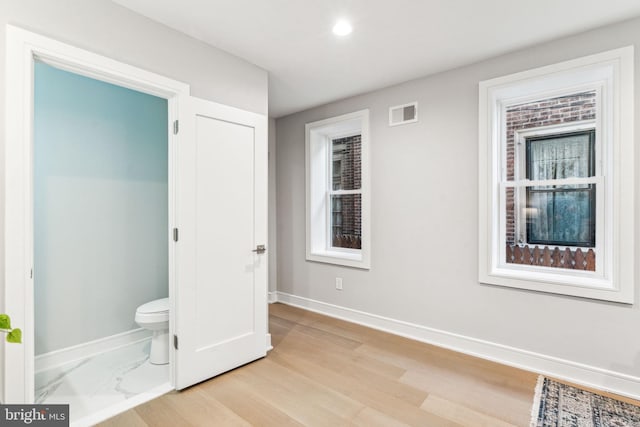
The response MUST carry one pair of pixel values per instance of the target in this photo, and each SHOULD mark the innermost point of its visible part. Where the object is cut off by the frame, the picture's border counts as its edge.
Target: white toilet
(154, 316)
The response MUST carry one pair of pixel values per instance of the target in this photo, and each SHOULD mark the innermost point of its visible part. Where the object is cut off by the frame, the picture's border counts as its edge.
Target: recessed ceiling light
(342, 28)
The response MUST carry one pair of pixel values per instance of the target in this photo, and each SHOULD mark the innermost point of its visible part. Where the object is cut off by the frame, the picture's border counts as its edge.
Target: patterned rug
(560, 405)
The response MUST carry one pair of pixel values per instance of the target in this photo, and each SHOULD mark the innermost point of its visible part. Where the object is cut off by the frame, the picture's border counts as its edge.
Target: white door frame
(23, 48)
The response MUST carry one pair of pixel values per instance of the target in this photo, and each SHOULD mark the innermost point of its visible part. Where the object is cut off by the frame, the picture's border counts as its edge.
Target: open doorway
(66, 181)
(100, 211)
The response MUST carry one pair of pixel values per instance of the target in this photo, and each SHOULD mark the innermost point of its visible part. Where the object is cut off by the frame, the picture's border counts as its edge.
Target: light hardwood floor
(327, 372)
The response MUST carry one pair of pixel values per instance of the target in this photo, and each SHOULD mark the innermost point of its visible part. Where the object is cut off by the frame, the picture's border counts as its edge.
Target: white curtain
(560, 214)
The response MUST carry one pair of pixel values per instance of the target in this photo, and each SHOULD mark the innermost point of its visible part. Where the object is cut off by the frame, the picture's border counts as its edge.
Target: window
(556, 178)
(337, 190)
(345, 192)
(560, 214)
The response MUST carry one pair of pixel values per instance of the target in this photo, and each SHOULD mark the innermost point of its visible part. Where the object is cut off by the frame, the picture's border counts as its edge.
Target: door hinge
(175, 234)
(260, 249)
(31, 274)
(176, 127)
(175, 342)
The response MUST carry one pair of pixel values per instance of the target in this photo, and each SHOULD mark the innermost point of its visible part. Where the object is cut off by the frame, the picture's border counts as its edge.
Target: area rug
(560, 405)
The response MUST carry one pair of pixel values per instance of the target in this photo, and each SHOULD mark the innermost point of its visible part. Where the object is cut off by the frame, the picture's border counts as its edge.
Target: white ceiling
(392, 41)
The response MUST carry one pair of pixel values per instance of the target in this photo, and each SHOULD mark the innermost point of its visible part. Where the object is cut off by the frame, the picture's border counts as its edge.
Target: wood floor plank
(157, 413)
(308, 402)
(247, 403)
(129, 419)
(194, 405)
(327, 337)
(416, 356)
(479, 384)
(369, 417)
(460, 413)
(369, 393)
(328, 372)
(339, 358)
(477, 396)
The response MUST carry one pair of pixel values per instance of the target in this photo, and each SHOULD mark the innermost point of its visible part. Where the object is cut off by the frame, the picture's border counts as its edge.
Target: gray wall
(424, 264)
(273, 235)
(111, 30)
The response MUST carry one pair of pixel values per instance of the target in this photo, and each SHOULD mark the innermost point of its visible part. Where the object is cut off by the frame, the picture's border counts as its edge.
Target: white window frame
(611, 75)
(319, 136)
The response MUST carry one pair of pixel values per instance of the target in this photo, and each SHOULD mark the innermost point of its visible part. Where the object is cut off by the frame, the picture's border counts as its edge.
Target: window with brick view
(346, 200)
(553, 225)
(556, 182)
(337, 190)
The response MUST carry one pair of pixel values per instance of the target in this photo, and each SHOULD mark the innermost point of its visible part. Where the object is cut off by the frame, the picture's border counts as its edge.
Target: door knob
(260, 249)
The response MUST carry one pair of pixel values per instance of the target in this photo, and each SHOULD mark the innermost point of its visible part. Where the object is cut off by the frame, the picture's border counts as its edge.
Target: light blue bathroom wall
(100, 207)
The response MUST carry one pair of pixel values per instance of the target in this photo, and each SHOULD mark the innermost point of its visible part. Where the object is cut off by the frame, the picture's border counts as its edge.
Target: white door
(221, 290)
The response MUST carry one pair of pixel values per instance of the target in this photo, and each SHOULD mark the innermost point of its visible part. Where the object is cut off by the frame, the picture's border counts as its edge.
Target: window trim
(318, 165)
(611, 73)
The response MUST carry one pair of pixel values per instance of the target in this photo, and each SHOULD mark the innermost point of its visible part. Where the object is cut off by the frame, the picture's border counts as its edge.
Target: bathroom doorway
(217, 276)
(100, 180)
(101, 227)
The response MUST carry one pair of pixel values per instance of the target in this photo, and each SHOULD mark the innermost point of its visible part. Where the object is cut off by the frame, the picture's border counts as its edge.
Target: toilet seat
(155, 306)
(154, 311)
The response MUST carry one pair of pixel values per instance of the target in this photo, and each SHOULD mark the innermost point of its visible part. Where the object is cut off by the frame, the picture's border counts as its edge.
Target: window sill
(569, 282)
(347, 259)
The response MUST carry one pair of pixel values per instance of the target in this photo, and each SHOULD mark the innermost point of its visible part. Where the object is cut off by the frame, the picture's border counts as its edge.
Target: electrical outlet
(339, 283)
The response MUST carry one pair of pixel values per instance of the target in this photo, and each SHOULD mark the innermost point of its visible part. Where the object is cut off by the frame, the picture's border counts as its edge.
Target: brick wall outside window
(552, 111)
(347, 213)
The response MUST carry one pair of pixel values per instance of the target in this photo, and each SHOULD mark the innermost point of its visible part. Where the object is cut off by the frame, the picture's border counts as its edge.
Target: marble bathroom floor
(107, 380)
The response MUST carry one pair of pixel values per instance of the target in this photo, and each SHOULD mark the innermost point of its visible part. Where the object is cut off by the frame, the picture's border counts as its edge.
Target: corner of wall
(273, 244)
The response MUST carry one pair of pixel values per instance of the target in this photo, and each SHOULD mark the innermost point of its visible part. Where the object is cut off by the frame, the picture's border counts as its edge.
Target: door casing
(23, 48)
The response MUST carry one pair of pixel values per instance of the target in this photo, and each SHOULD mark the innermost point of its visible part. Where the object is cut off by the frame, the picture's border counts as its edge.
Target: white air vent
(403, 114)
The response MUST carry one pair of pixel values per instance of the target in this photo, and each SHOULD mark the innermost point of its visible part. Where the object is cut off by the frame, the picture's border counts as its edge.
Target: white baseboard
(578, 373)
(272, 297)
(88, 349)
